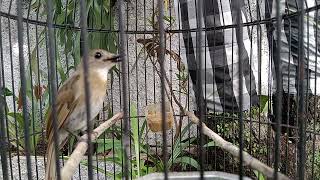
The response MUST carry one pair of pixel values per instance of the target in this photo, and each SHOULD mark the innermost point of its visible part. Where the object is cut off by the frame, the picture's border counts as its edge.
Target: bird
(70, 102)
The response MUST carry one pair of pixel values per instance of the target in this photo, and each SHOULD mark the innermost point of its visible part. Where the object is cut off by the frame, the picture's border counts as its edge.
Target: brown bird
(70, 102)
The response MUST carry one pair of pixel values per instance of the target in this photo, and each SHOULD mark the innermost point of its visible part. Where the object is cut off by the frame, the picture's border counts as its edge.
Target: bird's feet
(93, 133)
(74, 134)
(82, 139)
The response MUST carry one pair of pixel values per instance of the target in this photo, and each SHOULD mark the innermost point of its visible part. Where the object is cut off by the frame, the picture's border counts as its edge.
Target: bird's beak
(115, 58)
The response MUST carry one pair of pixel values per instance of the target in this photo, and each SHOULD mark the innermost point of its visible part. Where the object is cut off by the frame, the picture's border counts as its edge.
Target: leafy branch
(68, 55)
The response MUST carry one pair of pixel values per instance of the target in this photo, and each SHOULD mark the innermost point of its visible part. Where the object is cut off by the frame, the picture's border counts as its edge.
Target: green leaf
(34, 60)
(89, 5)
(210, 144)
(34, 4)
(97, 15)
(60, 19)
(71, 8)
(76, 49)
(106, 5)
(264, 103)
(153, 158)
(135, 129)
(34, 63)
(108, 144)
(58, 6)
(62, 74)
(12, 132)
(179, 147)
(7, 92)
(112, 45)
(34, 139)
(95, 40)
(188, 160)
(169, 19)
(149, 170)
(69, 42)
(17, 122)
(61, 33)
(259, 175)
(186, 129)
(143, 127)
(18, 117)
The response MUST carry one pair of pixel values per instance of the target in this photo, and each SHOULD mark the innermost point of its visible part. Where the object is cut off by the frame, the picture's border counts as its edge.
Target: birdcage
(167, 89)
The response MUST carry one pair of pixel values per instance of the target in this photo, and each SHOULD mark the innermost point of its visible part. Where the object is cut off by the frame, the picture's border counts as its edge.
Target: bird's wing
(65, 103)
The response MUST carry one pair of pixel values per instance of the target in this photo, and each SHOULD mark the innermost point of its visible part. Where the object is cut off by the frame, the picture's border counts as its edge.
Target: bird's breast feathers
(102, 73)
(97, 82)
(98, 87)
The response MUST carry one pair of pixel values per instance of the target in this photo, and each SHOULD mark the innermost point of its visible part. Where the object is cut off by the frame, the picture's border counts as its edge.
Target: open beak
(115, 58)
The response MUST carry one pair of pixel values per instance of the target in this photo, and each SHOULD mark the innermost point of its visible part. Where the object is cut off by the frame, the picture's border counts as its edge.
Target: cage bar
(23, 87)
(281, 130)
(124, 78)
(53, 85)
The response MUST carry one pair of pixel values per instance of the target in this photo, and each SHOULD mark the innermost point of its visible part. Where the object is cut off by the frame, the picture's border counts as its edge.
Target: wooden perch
(81, 148)
(234, 150)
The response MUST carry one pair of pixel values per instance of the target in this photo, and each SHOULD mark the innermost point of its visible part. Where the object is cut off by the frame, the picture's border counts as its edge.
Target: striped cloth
(220, 66)
(220, 55)
(290, 43)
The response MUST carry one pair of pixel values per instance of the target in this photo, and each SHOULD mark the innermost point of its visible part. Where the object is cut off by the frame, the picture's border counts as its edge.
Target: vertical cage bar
(3, 143)
(17, 137)
(52, 78)
(154, 69)
(201, 105)
(33, 131)
(4, 103)
(124, 77)
(288, 98)
(162, 78)
(23, 88)
(137, 90)
(301, 94)
(171, 79)
(314, 101)
(145, 74)
(84, 47)
(278, 114)
(128, 91)
(239, 37)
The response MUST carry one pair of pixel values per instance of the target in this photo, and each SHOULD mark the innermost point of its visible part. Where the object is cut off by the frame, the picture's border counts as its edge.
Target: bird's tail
(51, 162)
(51, 173)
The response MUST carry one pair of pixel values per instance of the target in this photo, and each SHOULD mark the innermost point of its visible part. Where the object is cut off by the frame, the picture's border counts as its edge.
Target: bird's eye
(98, 55)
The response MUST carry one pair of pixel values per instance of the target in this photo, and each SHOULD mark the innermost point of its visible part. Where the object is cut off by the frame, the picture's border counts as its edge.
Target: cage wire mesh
(247, 69)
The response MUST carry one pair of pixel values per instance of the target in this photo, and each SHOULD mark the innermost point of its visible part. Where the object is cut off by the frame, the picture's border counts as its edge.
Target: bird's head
(102, 59)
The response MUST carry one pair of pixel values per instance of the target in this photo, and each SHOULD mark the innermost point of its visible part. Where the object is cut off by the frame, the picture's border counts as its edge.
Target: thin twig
(234, 150)
(77, 155)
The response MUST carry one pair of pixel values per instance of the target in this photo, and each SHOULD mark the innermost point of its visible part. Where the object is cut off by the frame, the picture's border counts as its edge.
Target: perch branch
(81, 148)
(234, 150)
